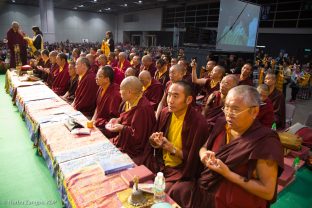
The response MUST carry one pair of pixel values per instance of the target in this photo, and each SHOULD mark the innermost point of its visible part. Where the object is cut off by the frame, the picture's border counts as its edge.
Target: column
(47, 20)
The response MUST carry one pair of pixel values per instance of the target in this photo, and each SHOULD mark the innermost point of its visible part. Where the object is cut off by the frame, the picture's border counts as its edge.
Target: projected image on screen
(238, 26)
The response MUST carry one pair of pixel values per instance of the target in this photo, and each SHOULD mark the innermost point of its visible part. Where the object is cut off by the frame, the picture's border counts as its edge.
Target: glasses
(234, 112)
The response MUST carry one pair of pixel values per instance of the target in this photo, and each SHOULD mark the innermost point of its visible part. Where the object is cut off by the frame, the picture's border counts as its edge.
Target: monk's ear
(189, 100)
(255, 111)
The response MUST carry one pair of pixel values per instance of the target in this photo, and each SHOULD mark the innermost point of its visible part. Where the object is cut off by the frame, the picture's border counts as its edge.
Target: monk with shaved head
(152, 89)
(136, 121)
(147, 64)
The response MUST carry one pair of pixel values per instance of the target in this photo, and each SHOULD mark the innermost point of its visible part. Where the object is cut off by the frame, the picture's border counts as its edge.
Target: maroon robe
(247, 81)
(54, 69)
(73, 83)
(85, 95)
(118, 75)
(213, 108)
(240, 155)
(266, 113)
(163, 79)
(154, 93)
(278, 102)
(60, 84)
(137, 67)
(208, 90)
(138, 123)
(16, 38)
(107, 107)
(44, 74)
(152, 69)
(125, 66)
(113, 63)
(194, 134)
(94, 68)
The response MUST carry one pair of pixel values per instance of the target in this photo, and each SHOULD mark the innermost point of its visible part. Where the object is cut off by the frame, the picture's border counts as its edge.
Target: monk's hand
(167, 145)
(156, 139)
(219, 167)
(116, 128)
(193, 64)
(207, 156)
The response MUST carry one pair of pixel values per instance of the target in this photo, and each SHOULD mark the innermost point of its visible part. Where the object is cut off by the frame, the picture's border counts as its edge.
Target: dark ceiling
(110, 6)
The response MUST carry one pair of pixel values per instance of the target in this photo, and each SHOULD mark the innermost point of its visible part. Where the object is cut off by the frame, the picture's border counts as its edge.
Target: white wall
(148, 20)
(72, 25)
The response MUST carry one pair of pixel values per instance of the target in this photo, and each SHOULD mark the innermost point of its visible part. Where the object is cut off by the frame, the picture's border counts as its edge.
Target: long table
(78, 163)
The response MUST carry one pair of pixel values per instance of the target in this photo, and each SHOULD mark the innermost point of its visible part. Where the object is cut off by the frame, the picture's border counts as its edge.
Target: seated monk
(147, 64)
(176, 73)
(93, 66)
(240, 169)
(108, 99)
(215, 102)
(37, 64)
(102, 60)
(278, 100)
(130, 72)
(162, 72)
(136, 121)
(54, 69)
(136, 64)
(73, 82)
(180, 132)
(60, 83)
(152, 89)
(85, 95)
(123, 63)
(244, 77)
(75, 54)
(266, 112)
(209, 85)
(45, 68)
(111, 60)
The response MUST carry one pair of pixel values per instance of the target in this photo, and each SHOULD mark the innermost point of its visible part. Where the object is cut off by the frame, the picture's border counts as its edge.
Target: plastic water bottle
(296, 163)
(159, 188)
(274, 126)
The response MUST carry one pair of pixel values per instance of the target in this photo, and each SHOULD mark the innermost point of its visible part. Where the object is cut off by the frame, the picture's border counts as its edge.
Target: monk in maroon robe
(136, 64)
(108, 100)
(215, 102)
(16, 37)
(123, 63)
(147, 64)
(278, 100)
(45, 68)
(152, 89)
(85, 95)
(73, 83)
(111, 60)
(244, 77)
(60, 84)
(176, 74)
(162, 72)
(93, 66)
(179, 134)
(240, 169)
(130, 72)
(266, 112)
(136, 121)
(208, 85)
(54, 69)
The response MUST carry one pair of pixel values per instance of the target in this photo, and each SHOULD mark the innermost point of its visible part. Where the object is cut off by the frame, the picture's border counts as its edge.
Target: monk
(278, 100)
(152, 89)
(266, 112)
(73, 82)
(136, 121)
(147, 64)
(108, 100)
(111, 60)
(180, 132)
(45, 68)
(176, 73)
(215, 102)
(136, 63)
(85, 95)
(93, 66)
(162, 72)
(244, 77)
(123, 63)
(60, 84)
(130, 72)
(54, 69)
(15, 38)
(102, 60)
(208, 69)
(75, 54)
(209, 84)
(240, 169)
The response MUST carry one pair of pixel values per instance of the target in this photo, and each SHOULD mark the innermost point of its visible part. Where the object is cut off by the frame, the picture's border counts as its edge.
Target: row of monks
(211, 136)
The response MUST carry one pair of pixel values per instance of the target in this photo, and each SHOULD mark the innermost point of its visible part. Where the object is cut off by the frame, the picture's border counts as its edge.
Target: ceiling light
(95, 0)
(81, 5)
(140, 2)
(125, 5)
(108, 9)
(13, 1)
(75, 8)
(100, 10)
